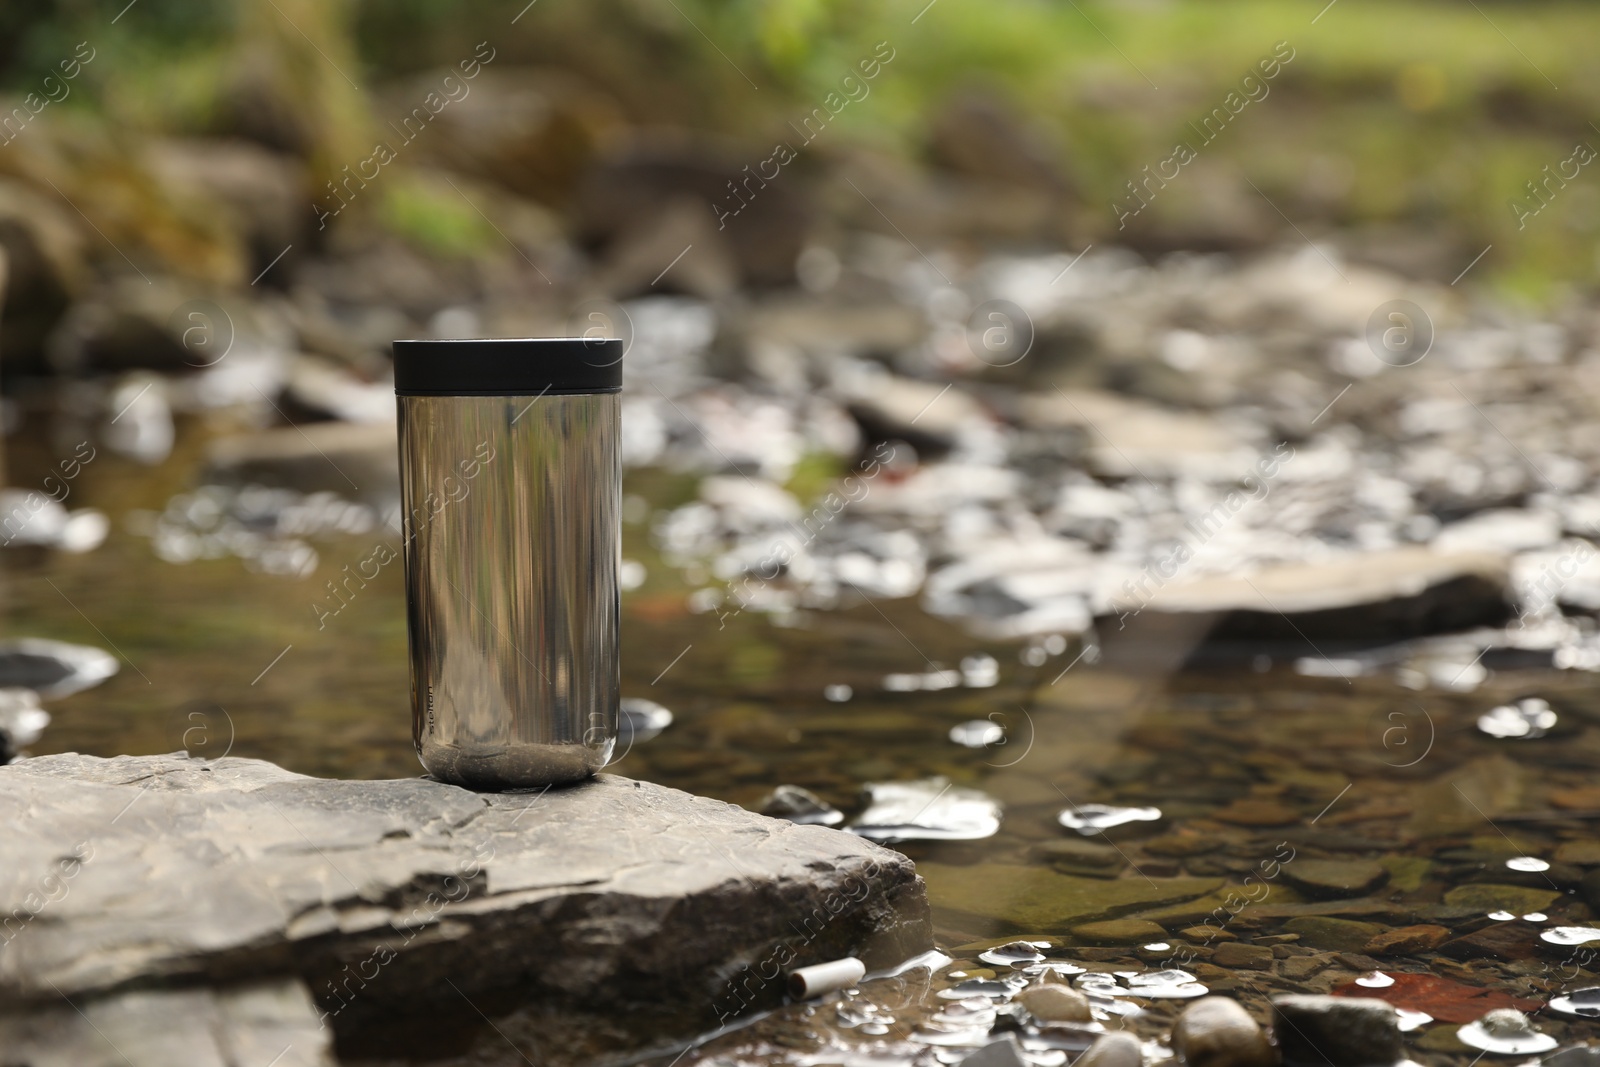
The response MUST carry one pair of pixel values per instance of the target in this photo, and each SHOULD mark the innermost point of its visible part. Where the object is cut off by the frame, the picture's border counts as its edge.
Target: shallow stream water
(1298, 820)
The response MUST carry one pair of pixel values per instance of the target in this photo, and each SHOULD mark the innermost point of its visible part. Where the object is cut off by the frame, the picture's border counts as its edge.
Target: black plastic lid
(522, 366)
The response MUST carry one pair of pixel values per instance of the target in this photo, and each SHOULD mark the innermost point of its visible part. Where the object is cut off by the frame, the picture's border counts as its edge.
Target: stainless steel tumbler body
(511, 493)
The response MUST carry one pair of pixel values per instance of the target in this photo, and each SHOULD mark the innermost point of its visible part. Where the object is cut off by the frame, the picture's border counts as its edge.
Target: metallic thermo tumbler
(511, 492)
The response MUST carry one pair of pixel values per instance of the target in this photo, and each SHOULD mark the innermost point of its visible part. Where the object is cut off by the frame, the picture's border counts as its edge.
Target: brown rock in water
(1119, 932)
(1116, 1049)
(1501, 940)
(1320, 931)
(1251, 811)
(1319, 1031)
(1408, 939)
(1218, 1032)
(1056, 1003)
(1254, 957)
(1334, 878)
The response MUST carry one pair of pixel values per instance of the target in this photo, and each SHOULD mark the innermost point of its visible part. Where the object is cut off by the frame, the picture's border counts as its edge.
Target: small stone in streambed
(1339, 935)
(1077, 854)
(1235, 954)
(1119, 932)
(1300, 968)
(1004, 1052)
(1121, 1049)
(1589, 888)
(1253, 811)
(1334, 878)
(1218, 1032)
(1056, 1003)
(1319, 1031)
(1576, 1056)
(1487, 896)
(1407, 939)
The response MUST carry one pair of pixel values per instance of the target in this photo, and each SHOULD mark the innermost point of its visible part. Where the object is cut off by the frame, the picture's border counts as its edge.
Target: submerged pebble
(799, 805)
(1098, 818)
(929, 809)
(1505, 1032)
(1015, 954)
(1525, 720)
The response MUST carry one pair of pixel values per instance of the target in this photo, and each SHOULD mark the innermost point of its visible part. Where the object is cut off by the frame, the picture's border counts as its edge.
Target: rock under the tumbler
(603, 895)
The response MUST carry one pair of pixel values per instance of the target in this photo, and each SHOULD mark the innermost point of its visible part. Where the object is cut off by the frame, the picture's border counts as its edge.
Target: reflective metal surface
(511, 552)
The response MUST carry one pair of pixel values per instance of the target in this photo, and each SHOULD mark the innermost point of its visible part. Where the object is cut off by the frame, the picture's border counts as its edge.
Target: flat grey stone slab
(263, 1024)
(166, 872)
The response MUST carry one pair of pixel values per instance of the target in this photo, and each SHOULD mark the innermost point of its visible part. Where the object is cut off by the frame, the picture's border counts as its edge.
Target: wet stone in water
(1342, 1031)
(1505, 1032)
(53, 668)
(1056, 1003)
(977, 733)
(978, 987)
(1098, 818)
(1218, 1032)
(800, 806)
(1015, 954)
(1525, 720)
(1005, 1052)
(929, 809)
(1335, 878)
(1116, 1049)
(1166, 985)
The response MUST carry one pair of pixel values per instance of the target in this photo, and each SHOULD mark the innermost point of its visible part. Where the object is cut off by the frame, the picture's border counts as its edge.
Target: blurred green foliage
(1424, 114)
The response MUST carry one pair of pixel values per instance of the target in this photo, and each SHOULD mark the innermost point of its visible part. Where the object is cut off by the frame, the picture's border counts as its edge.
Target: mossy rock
(1488, 897)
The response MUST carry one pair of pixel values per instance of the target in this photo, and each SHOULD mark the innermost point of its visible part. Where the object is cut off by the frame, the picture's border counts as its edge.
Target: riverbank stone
(169, 874)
